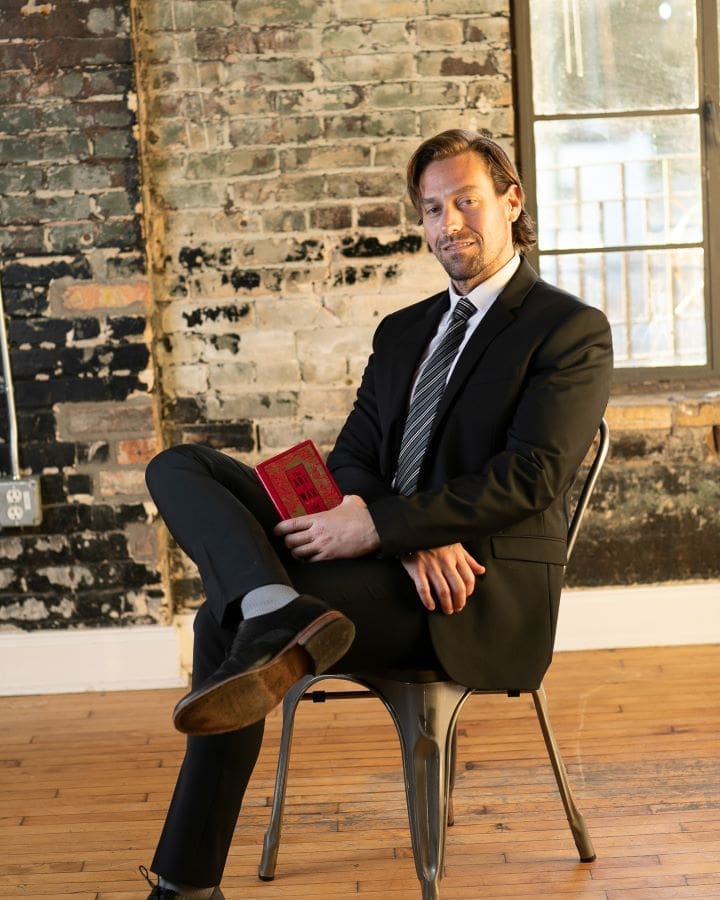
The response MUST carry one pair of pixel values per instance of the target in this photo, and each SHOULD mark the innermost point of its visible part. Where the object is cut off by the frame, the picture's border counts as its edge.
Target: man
(475, 410)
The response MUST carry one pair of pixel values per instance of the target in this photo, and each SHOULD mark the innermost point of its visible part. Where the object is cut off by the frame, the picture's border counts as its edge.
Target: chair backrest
(601, 451)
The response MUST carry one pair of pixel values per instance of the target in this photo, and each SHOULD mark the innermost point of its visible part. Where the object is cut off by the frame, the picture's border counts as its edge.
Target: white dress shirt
(482, 297)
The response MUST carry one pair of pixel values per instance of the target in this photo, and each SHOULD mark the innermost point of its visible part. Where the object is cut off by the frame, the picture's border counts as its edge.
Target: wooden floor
(85, 780)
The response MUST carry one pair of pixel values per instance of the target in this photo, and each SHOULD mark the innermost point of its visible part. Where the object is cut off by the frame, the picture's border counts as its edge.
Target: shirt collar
(486, 293)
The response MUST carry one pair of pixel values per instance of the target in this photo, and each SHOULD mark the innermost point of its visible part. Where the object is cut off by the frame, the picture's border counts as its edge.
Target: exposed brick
(82, 421)
(331, 217)
(379, 216)
(370, 67)
(259, 71)
(370, 36)
(368, 9)
(296, 12)
(639, 416)
(698, 414)
(122, 482)
(87, 297)
(463, 62)
(415, 95)
(137, 451)
(445, 31)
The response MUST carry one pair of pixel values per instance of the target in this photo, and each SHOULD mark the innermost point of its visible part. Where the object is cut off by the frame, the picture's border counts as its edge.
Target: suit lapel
(408, 350)
(501, 314)
(406, 354)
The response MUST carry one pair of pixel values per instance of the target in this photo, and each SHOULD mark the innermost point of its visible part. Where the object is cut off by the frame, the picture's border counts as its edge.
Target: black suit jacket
(517, 417)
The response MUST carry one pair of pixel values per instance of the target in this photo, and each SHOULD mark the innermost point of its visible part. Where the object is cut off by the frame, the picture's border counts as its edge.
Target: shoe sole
(248, 697)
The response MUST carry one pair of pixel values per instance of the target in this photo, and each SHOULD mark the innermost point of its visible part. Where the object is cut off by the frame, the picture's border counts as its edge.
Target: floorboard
(85, 780)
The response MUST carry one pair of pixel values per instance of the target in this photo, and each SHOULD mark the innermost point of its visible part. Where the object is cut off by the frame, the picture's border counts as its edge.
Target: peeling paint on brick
(213, 314)
(371, 246)
(77, 299)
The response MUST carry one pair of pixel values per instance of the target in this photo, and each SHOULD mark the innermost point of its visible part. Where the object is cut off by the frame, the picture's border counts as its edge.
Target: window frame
(708, 113)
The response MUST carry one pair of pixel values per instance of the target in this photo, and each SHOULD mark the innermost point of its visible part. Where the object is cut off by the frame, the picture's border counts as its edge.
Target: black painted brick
(75, 390)
(238, 435)
(18, 273)
(75, 361)
(99, 547)
(59, 519)
(25, 300)
(98, 452)
(38, 425)
(37, 456)
(85, 329)
(125, 265)
(182, 410)
(39, 331)
(79, 484)
(49, 555)
(102, 517)
(52, 489)
(126, 326)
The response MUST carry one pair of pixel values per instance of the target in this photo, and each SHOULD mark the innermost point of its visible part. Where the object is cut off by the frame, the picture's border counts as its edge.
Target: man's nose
(451, 220)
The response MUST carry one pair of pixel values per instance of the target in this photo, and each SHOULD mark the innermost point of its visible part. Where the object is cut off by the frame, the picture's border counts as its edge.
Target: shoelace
(160, 892)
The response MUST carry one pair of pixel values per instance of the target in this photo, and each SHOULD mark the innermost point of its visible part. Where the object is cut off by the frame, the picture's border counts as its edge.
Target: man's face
(467, 225)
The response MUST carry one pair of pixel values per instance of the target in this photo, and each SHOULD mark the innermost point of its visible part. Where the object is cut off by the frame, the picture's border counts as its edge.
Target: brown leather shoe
(268, 655)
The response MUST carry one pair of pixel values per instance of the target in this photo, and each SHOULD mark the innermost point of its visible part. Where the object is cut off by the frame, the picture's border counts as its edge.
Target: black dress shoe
(163, 893)
(268, 655)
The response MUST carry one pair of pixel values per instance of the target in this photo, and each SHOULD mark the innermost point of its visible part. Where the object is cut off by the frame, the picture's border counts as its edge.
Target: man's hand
(343, 532)
(443, 575)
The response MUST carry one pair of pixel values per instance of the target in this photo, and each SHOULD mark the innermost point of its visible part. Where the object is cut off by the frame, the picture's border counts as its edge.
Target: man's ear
(513, 197)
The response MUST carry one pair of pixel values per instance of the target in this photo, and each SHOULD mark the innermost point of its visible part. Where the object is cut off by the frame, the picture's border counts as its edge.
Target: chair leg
(453, 771)
(271, 844)
(425, 716)
(575, 819)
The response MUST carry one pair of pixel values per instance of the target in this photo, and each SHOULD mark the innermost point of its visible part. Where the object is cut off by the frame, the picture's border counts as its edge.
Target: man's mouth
(457, 246)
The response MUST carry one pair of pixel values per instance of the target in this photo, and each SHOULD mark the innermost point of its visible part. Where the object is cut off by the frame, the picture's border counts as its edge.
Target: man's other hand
(343, 532)
(443, 576)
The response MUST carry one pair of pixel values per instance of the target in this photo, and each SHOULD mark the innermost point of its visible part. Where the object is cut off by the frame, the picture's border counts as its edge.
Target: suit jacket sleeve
(355, 459)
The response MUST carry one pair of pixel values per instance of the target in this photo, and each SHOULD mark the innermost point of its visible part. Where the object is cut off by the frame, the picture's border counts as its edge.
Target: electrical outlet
(20, 502)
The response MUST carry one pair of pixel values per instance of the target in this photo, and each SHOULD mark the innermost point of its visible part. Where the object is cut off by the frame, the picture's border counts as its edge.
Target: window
(620, 154)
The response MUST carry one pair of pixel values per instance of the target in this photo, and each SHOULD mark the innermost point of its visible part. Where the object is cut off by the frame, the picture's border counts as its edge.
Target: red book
(298, 481)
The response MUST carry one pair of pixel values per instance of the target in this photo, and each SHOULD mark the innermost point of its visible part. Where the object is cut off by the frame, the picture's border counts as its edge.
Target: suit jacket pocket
(530, 548)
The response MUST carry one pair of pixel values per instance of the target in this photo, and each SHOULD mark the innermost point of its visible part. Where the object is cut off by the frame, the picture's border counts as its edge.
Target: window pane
(609, 182)
(654, 300)
(611, 55)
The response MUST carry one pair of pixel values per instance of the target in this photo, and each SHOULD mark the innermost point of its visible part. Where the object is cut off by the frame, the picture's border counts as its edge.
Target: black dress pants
(218, 512)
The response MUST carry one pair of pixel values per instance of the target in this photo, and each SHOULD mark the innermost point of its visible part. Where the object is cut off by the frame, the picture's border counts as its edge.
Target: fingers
(298, 536)
(444, 576)
(476, 567)
(290, 526)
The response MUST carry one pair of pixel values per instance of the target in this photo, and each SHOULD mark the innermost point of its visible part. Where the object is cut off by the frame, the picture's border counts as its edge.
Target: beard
(462, 266)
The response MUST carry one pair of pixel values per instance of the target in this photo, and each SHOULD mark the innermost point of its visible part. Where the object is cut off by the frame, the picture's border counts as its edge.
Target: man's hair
(502, 171)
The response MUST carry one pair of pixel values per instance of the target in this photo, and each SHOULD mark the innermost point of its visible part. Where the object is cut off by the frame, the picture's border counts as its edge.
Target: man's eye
(432, 210)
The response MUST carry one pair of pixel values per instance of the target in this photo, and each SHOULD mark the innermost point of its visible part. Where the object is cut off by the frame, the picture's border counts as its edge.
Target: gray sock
(266, 599)
(187, 891)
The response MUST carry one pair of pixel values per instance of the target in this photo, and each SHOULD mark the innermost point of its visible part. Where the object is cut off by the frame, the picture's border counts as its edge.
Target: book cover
(298, 481)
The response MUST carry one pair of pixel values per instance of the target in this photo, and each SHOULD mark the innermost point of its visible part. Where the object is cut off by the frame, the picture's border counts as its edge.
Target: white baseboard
(654, 615)
(112, 659)
(89, 659)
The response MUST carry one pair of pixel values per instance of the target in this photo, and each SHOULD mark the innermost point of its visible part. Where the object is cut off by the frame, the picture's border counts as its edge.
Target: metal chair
(425, 706)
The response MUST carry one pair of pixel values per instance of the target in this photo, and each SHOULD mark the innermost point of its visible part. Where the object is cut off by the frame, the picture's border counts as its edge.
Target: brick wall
(77, 300)
(655, 516)
(275, 137)
(275, 141)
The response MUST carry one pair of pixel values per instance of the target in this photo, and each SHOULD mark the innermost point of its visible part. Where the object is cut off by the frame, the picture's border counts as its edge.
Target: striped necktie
(428, 391)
